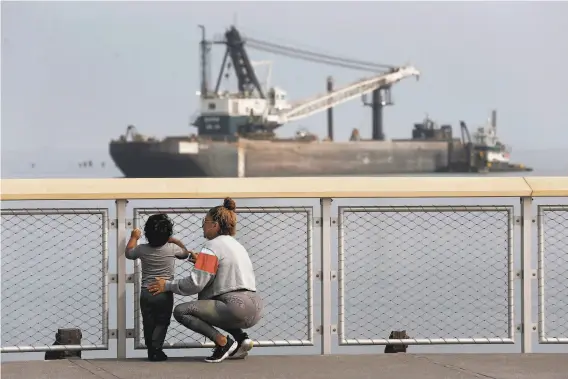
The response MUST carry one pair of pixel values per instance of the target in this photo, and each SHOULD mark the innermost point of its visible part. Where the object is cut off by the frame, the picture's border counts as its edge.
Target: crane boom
(361, 87)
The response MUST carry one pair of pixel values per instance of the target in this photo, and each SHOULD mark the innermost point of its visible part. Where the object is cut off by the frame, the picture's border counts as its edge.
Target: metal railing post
(326, 275)
(526, 274)
(121, 279)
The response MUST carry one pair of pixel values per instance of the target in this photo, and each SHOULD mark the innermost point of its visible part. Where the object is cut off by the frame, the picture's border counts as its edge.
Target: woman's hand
(157, 287)
(192, 256)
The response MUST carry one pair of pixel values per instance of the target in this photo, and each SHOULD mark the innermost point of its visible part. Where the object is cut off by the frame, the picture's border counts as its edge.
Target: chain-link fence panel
(552, 277)
(442, 274)
(279, 242)
(54, 276)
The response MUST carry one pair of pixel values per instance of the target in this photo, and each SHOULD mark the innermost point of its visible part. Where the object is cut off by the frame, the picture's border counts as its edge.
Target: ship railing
(340, 262)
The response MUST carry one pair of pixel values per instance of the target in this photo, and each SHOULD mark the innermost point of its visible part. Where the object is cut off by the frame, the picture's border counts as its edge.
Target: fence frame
(308, 211)
(343, 341)
(543, 339)
(103, 212)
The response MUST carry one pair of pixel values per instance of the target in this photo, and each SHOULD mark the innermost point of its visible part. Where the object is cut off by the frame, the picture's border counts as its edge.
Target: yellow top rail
(555, 186)
(332, 187)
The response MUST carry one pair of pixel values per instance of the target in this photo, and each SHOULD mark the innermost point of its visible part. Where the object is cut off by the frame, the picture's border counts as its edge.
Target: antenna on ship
(494, 120)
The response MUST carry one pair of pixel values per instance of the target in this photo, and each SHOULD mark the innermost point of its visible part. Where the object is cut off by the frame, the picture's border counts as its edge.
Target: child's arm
(184, 253)
(131, 247)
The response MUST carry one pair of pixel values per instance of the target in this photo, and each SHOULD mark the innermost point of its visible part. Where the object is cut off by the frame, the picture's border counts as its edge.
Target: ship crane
(268, 108)
(386, 75)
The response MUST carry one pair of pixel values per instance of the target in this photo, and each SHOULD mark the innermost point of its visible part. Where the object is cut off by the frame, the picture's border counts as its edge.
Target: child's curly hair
(158, 229)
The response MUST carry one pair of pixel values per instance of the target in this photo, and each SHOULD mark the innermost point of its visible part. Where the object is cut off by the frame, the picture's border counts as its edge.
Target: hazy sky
(75, 74)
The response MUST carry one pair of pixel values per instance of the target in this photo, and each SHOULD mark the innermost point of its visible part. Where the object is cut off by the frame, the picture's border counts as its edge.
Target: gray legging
(232, 312)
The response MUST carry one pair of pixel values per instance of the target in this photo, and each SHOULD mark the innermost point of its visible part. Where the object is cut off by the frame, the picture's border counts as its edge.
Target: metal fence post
(526, 274)
(326, 275)
(121, 279)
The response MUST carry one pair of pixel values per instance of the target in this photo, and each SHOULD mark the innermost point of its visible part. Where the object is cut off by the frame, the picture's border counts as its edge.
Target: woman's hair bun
(229, 204)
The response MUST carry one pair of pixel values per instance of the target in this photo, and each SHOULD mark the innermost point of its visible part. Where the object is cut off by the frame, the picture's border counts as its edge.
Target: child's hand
(136, 234)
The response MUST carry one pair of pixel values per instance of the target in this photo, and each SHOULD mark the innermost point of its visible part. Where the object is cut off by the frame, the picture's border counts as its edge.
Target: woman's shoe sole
(243, 350)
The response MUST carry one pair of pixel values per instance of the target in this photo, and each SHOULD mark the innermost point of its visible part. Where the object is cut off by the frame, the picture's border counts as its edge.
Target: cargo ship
(236, 130)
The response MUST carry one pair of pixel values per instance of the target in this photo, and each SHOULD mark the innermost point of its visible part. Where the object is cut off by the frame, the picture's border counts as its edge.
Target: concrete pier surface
(383, 366)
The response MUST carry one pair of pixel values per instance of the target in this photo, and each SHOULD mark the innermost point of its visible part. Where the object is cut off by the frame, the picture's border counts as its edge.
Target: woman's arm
(200, 276)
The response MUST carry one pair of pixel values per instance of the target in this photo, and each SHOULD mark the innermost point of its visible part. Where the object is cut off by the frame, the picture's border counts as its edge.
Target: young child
(158, 260)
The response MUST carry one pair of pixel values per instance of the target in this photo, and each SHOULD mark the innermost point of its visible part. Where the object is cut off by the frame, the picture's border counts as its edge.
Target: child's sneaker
(157, 355)
(160, 356)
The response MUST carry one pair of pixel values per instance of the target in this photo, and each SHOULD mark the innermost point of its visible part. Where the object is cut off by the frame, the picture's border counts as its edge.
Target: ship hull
(165, 160)
(341, 158)
(183, 158)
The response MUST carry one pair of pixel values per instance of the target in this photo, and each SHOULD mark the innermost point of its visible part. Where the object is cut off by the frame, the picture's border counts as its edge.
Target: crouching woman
(223, 276)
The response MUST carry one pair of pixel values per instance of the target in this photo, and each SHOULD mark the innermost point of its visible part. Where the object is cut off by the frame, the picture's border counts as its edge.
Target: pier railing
(340, 262)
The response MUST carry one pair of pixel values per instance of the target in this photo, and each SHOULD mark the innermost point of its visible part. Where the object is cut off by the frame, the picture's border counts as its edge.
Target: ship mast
(204, 62)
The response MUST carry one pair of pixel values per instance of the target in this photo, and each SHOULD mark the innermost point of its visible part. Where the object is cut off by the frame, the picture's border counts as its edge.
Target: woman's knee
(186, 309)
(180, 310)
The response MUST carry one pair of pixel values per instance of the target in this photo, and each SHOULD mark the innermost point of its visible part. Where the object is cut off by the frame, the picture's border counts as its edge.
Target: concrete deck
(407, 366)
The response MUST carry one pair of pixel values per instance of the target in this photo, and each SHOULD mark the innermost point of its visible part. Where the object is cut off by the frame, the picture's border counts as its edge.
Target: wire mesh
(443, 274)
(552, 278)
(278, 240)
(54, 276)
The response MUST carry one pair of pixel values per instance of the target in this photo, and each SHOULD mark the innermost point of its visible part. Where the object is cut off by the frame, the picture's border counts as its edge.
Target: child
(158, 260)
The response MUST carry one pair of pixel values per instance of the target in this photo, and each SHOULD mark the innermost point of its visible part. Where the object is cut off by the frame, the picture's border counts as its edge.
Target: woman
(223, 277)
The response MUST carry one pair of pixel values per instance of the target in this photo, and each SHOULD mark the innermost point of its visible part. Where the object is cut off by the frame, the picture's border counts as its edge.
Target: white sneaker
(241, 352)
